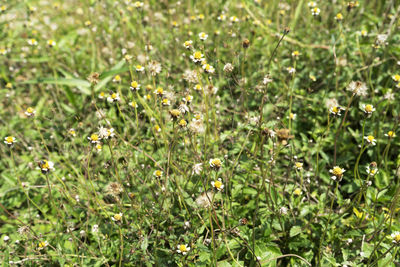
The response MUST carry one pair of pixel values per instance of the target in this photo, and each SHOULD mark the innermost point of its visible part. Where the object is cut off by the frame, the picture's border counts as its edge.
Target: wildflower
(128, 58)
(218, 184)
(339, 17)
(183, 108)
(165, 102)
(196, 127)
(373, 170)
(203, 201)
(183, 249)
(46, 166)
(351, 5)
(390, 134)
(357, 88)
(312, 4)
(10, 140)
(157, 128)
(135, 86)
(43, 245)
(312, 77)
(154, 67)
(88, 23)
(93, 78)
(197, 57)
(138, 4)
(113, 97)
(291, 70)
(3, 51)
(116, 79)
(175, 113)
(370, 139)
(297, 192)
(203, 36)
(381, 39)
(158, 173)
(215, 163)
(198, 87)
(159, 91)
(364, 33)
(267, 79)
(197, 168)
(295, 53)
(32, 42)
(114, 189)
(337, 173)
(133, 104)
(292, 116)
(221, 17)
(396, 77)
(95, 228)
(94, 139)
(105, 133)
(99, 148)
(72, 132)
(102, 95)
(188, 44)
(228, 68)
(188, 99)
(139, 68)
(368, 109)
(234, 19)
(182, 123)
(396, 237)
(315, 11)
(298, 165)
(208, 68)
(117, 217)
(335, 110)
(3, 8)
(30, 112)
(200, 17)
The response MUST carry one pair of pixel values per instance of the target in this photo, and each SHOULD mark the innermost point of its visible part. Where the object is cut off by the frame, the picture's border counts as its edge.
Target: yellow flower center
(335, 109)
(99, 147)
(372, 171)
(368, 108)
(396, 77)
(113, 95)
(397, 238)
(390, 134)
(218, 184)
(158, 173)
(10, 139)
(197, 55)
(370, 138)
(337, 171)
(42, 244)
(182, 248)
(299, 165)
(216, 162)
(117, 78)
(165, 101)
(134, 84)
(117, 217)
(315, 9)
(45, 164)
(160, 91)
(94, 137)
(187, 43)
(182, 123)
(138, 67)
(102, 94)
(339, 16)
(198, 87)
(29, 110)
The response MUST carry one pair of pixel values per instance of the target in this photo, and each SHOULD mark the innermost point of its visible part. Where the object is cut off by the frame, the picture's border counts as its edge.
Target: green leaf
(295, 231)
(82, 85)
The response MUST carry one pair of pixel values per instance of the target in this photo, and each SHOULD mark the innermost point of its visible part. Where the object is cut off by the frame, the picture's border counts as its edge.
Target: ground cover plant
(199, 133)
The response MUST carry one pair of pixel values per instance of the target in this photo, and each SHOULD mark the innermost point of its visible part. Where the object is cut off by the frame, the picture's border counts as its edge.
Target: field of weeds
(199, 133)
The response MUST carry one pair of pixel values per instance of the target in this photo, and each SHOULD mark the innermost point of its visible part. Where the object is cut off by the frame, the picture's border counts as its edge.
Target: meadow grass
(199, 133)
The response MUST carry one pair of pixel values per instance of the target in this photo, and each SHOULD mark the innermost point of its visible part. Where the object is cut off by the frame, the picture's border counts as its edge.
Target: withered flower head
(93, 78)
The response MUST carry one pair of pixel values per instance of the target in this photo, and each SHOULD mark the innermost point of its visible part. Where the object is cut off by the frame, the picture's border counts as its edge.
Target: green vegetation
(199, 133)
